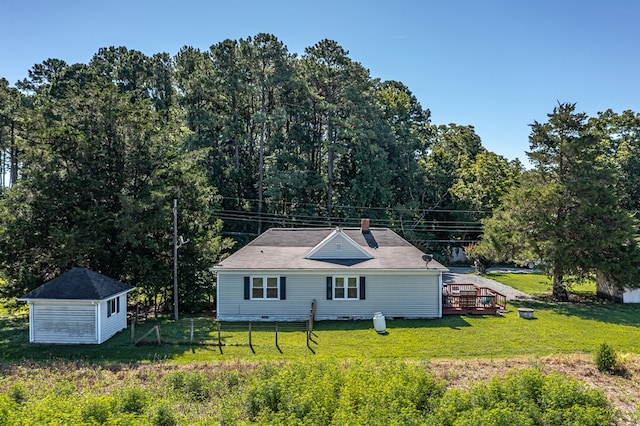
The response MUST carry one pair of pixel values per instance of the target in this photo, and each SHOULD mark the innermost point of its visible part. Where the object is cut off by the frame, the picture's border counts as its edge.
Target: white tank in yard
(379, 323)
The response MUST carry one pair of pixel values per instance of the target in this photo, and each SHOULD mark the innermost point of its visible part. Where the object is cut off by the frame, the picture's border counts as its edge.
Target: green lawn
(557, 328)
(539, 284)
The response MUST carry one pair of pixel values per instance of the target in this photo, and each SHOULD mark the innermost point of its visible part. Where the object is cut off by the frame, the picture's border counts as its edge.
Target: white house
(350, 273)
(609, 291)
(79, 306)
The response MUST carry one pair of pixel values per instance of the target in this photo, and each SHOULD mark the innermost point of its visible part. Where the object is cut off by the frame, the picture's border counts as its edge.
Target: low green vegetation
(346, 373)
(558, 328)
(537, 284)
(326, 393)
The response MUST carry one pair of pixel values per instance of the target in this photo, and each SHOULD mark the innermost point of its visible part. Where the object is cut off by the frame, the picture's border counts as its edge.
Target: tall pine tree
(566, 212)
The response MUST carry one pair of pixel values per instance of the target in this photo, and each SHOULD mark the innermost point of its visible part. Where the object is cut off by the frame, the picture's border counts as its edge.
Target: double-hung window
(346, 287)
(265, 287)
(113, 306)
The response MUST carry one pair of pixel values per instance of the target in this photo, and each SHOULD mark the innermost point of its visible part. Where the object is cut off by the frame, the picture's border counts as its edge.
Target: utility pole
(175, 259)
(176, 245)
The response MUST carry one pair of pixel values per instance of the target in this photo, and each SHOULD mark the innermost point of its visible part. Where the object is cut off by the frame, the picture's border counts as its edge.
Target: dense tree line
(246, 135)
(93, 154)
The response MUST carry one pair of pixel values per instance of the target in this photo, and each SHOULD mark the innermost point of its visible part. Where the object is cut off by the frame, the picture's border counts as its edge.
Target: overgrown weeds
(322, 392)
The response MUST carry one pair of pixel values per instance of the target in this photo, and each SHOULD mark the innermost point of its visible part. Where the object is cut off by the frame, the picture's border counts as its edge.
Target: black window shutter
(362, 288)
(247, 288)
(283, 288)
(329, 288)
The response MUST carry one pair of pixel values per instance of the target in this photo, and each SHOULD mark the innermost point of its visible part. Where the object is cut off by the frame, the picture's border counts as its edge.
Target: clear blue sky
(496, 65)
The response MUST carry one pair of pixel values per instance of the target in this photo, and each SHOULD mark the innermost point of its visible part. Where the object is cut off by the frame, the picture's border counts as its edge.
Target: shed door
(64, 324)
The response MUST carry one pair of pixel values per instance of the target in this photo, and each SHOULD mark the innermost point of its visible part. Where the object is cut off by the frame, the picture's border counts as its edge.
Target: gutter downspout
(32, 334)
(440, 295)
(217, 274)
(98, 321)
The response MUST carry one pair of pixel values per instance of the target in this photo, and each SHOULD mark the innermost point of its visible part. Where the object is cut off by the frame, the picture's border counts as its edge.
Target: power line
(431, 226)
(343, 206)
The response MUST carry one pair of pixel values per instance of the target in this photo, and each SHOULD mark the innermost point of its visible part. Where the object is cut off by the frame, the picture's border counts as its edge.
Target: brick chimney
(364, 226)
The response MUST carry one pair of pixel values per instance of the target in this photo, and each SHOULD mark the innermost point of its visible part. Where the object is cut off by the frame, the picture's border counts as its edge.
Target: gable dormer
(338, 245)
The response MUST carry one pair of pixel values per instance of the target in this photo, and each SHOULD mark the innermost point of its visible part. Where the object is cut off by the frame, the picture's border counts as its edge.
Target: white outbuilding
(79, 306)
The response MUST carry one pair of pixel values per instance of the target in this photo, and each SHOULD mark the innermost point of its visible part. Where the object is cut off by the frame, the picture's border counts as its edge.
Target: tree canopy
(248, 136)
(567, 215)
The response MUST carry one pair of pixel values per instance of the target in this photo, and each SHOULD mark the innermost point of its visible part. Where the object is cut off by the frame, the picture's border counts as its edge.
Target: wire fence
(243, 333)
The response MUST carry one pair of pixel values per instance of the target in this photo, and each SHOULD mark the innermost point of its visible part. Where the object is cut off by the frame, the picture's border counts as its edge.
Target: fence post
(276, 334)
(191, 335)
(250, 345)
(219, 341)
(308, 324)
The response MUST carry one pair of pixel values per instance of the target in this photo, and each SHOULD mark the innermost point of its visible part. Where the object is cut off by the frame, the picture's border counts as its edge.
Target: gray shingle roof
(79, 284)
(286, 248)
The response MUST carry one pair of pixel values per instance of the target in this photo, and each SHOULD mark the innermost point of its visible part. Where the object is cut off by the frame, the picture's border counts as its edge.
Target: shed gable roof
(79, 284)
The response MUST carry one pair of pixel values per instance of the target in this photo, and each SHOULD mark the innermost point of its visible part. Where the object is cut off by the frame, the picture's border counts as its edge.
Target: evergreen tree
(621, 135)
(11, 110)
(99, 175)
(565, 214)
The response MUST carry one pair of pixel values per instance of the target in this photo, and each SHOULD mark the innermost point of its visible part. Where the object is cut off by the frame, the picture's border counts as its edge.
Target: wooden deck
(467, 299)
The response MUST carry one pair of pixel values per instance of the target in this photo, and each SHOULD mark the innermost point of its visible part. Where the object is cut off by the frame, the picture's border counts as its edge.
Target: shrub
(96, 409)
(481, 257)
(18, 392)
(164, 416)
(351, 393)
(577, 415)
(563, 393)
(8, 406)
(524, 397)
(132, 400)
(194, 385)
(606, 359)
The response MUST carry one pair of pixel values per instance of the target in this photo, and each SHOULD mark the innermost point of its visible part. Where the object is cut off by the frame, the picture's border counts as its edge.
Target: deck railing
(468, 296)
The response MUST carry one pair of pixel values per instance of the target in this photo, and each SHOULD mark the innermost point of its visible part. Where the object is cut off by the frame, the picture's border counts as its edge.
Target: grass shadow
(449, 321)
(605, 312)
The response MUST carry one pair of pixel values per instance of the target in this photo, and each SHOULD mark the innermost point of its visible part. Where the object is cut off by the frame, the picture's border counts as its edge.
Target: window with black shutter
(283, 288)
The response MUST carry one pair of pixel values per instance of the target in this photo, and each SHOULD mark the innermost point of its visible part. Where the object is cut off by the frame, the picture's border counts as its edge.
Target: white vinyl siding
(395, 295)
(631, 296)
(69, 322)
(59, 323)
(340, 247)
(110, 325)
